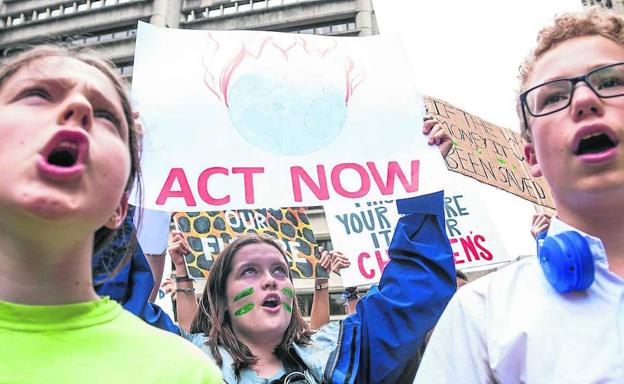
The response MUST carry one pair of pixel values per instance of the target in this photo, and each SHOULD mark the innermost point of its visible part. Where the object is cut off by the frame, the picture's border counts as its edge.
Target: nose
(269, 282)
(585, 102)
(76, 111)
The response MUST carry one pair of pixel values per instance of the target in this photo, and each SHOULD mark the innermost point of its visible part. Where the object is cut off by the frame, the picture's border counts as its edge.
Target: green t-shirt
(93, 342)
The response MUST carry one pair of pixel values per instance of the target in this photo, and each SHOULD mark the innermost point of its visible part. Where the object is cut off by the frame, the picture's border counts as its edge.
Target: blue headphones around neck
(566, 260)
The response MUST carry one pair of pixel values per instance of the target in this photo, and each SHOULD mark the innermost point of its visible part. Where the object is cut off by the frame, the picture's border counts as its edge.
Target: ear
(119, 215)
(531, 158)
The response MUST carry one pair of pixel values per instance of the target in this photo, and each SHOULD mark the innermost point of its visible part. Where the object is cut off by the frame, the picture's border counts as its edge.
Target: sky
(468, 52)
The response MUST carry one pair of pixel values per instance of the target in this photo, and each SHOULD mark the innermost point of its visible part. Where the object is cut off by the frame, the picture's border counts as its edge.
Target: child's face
(594, 174)
(64, 145)
(259, 294)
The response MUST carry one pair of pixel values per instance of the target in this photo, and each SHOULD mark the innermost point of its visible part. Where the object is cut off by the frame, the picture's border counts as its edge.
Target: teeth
(271, 302)
(591, 135)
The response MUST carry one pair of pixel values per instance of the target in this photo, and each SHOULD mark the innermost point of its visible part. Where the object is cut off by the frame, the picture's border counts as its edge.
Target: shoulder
(327, 334)
(168, 352)
(493, 298)
(500, 286)
(322, 343)
(154, 354)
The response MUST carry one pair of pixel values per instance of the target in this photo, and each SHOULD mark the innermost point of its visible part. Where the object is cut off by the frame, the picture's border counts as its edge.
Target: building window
(326, 244)
(336, 306)
(57, 11)
(330, 28)
(103, 36)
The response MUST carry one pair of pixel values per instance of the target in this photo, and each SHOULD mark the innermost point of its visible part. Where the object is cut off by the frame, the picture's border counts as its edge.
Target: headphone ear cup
(567, 262)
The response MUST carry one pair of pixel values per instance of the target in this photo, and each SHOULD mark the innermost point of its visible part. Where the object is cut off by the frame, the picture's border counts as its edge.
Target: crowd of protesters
(66, 116)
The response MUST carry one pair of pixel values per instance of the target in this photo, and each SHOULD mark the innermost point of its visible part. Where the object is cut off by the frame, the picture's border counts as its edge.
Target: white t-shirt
(511, 326)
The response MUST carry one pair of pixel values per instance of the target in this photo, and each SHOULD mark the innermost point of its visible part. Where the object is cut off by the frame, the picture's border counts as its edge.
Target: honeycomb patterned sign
(207, 233)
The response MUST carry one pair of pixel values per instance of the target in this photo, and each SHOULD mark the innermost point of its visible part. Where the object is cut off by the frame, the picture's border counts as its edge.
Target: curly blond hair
(594, 21)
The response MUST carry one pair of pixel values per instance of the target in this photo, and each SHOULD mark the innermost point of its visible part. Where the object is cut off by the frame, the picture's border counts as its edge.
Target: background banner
(488, 153)
(363, 232)
(246, 119)
(207, 233)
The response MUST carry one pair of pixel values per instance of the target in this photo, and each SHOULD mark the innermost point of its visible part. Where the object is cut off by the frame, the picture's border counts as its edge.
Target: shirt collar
(595, 244)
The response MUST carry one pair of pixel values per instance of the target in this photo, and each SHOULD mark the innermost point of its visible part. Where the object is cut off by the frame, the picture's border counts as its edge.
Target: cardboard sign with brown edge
(207, 233)
(488, 153)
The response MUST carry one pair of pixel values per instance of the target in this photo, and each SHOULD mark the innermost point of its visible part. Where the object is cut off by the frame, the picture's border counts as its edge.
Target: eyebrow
(92, 93)
(590, 69)
(253, 263)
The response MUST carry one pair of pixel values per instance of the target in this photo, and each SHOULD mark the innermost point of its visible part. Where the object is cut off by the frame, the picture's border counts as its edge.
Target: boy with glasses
(557, 318)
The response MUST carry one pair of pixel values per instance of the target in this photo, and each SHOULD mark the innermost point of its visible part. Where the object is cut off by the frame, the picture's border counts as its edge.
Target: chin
(592, 198)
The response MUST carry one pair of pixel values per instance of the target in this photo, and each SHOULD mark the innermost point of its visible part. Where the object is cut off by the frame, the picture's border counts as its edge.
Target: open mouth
(64, 156)
(271, 301)
(594, 143)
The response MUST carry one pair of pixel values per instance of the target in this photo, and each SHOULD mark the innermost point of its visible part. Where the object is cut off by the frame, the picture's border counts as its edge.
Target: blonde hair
(594, 21)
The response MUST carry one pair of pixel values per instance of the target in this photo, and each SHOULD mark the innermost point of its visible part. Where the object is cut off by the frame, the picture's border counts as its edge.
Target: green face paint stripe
(288, 292)
(245, 292)
(244, 309)
(287, 307)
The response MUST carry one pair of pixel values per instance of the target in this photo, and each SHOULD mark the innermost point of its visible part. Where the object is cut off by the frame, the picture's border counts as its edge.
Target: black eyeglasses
(555, 95)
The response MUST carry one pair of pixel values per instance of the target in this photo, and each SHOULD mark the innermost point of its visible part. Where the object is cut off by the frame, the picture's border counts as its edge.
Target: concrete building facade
(109, 26)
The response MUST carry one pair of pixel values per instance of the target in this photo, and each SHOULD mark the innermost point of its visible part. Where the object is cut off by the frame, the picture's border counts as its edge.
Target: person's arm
(380, 339)
(351, 298)
(319, 314)
(186, 303)
(540, 223)
(436, 135)
(157, 265)
(332, 261)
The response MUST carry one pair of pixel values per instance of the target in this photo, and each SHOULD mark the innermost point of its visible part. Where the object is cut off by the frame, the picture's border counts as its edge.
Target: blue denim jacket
(314, 356)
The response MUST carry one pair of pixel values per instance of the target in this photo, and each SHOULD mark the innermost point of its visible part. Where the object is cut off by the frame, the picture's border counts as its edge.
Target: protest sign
(152, 230)
(207, 233)
(247, 119)
(488, 153)
(363, 232)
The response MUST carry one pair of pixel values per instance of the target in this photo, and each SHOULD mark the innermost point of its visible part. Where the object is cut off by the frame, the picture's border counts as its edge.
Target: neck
(604, 224)
(268, 363)
(39, 267)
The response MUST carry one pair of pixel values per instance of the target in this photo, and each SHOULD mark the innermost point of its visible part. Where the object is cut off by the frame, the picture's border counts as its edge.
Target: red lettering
(202, 186)
(248, 173)
(337, 184)
(381, 262)
(469, 248)
(297, 173)
(456, 254)
(485, 254)
(368, 274)
(394, 171)
(184, 192)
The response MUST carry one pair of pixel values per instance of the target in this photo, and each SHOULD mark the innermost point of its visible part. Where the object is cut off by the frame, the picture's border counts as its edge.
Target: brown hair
(595, 21)
(214, 320)
(9, 68)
